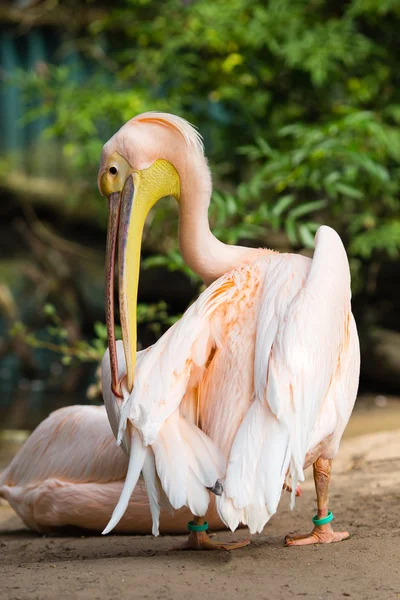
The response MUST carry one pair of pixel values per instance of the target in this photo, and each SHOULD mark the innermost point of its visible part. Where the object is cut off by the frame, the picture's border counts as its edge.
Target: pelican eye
(113, 170)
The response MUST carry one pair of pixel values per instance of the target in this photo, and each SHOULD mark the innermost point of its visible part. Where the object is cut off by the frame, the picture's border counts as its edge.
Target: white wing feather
(185, 458)
(302, 333)
(308, 346)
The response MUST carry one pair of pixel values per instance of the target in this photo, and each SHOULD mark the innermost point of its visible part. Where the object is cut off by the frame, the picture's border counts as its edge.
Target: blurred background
(298, 102)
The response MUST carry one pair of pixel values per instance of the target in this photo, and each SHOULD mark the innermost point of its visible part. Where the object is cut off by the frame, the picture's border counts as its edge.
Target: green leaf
(290, 229)
(307, 208)
(305, 235)
(347, 190)
(282, 204)
(100, 330)
(49, 310)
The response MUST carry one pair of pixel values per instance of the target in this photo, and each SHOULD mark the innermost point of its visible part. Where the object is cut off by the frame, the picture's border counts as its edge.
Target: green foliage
(347, 161)
(298, 101)
(56, 335)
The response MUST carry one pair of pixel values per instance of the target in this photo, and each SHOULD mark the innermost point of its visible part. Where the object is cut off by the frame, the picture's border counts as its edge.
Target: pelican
(257, 380)
(70, 472)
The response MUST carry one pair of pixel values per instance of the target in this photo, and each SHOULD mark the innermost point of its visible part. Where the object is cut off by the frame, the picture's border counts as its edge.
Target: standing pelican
(257, 380)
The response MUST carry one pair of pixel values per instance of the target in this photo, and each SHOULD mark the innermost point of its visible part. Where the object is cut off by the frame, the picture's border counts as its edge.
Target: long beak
(131, 225)
(127, 215)
(114, 203)
(127, 234)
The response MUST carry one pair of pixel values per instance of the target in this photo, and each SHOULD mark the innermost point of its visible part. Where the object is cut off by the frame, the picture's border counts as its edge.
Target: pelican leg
(200, 540)
(321, 534)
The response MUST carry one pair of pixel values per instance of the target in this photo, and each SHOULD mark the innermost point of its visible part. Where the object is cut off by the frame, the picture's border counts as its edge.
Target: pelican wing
(302, 336)
(162, 377)
(310, 343)
(185, 459)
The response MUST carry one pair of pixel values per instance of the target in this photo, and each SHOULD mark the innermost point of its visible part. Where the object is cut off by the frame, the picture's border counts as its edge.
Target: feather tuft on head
(191, 136)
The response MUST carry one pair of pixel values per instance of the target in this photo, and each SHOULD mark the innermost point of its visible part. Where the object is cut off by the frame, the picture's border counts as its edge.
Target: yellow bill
(128, 208)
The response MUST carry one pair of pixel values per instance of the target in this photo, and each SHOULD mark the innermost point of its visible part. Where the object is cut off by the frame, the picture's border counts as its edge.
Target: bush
(298, 102)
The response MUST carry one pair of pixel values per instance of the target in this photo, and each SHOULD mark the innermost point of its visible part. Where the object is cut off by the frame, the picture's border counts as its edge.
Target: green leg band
(193, 527)
(324, 520)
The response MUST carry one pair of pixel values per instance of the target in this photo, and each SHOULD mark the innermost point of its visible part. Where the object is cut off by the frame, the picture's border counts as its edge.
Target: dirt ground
(365, 498)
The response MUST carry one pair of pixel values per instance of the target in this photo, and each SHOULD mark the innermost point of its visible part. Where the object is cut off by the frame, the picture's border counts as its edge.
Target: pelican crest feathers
(190, 134)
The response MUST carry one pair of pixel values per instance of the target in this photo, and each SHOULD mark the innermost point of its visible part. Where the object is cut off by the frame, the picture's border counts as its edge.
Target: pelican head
(140, 165)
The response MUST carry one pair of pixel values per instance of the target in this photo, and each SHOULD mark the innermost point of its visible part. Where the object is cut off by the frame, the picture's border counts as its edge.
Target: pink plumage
(265, 362)
(256, 382)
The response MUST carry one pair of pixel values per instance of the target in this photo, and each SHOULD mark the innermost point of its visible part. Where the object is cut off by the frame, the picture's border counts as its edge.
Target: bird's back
(93, 454)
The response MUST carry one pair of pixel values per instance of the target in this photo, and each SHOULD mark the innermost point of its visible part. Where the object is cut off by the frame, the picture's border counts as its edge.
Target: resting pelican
(70, 472)
(257, 380)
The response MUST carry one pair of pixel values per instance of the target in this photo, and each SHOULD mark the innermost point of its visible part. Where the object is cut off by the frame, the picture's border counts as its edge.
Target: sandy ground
(365, 498)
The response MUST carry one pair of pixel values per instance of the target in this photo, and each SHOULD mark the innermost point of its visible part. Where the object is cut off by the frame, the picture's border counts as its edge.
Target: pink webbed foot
(323, 534)
(200, 540)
